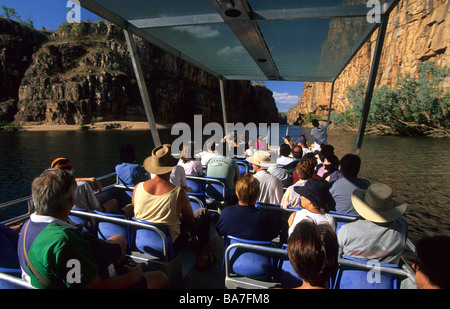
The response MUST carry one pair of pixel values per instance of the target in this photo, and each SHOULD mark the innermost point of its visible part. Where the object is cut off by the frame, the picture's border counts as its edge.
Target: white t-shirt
(192, 167)
(317, 218)
(271, 188)
(177, 177)
(284, 160)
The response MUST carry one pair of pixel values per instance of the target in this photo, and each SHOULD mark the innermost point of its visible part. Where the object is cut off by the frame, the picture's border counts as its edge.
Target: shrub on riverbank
(9, 126)
(416, 106)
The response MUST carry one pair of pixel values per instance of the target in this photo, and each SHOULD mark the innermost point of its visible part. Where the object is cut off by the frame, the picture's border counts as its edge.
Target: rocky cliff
(417, 31)
(82, 72)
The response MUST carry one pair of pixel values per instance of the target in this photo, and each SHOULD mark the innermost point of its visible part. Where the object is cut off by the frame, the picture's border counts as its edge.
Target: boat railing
(30, 208)
(236, 281)
(127, 223)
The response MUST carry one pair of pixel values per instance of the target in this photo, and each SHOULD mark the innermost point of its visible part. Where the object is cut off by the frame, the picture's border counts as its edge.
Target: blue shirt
(342, 190)
(249, 222)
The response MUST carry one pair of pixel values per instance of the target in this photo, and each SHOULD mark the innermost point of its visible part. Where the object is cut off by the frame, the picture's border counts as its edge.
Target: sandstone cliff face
(417, 31)
(83, 72)
(17, 44)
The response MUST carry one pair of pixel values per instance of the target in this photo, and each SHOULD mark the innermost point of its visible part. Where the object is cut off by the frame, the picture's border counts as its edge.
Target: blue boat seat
(196, 184)
(261, 204)
(216, 191)
(286, 274)
(342, 218)
(107, 229)
(153, 243)
(196, 201)
(87, 224)
(354, 277)
(248, 263)
(243, 166)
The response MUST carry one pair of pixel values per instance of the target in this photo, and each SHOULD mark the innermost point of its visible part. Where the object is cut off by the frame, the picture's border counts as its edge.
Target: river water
(416, 168)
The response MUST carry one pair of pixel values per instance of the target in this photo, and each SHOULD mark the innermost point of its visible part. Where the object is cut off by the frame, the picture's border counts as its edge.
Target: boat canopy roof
(286, 40)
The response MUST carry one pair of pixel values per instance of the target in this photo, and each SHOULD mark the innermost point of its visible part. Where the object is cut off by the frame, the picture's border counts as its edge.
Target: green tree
(11, 13)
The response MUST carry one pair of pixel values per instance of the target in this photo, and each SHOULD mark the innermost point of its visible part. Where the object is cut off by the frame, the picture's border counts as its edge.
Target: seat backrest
(197, 185)
(87, 224)
(215, 190)
(249, 263)
(343, 218)
(196, 200)
(152, 242)
(107, 229)
(285, 273)
(357, 277)
(243, 166)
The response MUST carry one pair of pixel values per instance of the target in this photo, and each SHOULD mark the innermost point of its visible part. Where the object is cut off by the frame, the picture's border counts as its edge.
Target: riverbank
(97, 126)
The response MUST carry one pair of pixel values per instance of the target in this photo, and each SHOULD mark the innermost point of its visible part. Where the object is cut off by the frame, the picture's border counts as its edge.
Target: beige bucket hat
(161, 161)
(261, 158)
(377, 203)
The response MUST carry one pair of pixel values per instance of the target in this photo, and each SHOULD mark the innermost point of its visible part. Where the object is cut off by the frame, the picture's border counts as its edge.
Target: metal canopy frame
(244, 23)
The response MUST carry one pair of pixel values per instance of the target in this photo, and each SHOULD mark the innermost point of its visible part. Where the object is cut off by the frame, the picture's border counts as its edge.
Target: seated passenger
(8, 244)
(313, 252)
(432, 267)
(55, 254)
(244, 220)
(315, 200)
(251, 148)
(297, 153)
(260, 143)
(271, 188)
(284, 158)
(331, 169)
(224, 167)
(305, 170)
(129, 172)
(85, 198)
(381, 237)
(342, 189)
(188, 162)
(159, 201)
(325, 150)
(208, 153)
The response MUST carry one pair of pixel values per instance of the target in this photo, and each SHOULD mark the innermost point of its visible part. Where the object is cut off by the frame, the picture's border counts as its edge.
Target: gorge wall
(418, 30)
(82, 72)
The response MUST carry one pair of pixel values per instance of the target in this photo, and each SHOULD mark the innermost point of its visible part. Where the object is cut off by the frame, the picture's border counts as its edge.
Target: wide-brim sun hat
(316, 191)
(161, 161)
(377, 203)
(261, 158)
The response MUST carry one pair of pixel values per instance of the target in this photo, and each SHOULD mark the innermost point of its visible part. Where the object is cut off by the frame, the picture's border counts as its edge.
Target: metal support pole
(331, 100)
(224, 111)
(371, 83)
(142, 87)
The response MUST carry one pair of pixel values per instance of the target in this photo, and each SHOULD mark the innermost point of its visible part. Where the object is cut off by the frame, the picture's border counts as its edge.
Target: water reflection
(415, 167)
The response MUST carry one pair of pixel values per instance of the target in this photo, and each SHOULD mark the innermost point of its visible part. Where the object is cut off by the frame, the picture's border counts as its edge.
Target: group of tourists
(311, 182)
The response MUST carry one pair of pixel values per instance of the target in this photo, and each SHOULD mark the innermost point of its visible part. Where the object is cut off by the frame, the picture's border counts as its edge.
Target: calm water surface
(417, 168)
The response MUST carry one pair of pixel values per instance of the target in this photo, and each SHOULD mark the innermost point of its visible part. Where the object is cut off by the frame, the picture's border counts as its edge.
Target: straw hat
(161, 161)
(377, 203)
(261, 158)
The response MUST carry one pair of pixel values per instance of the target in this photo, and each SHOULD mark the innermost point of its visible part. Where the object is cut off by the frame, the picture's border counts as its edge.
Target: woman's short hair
(188, 152)
(305, 168)
(313, 252)
(52, 191)
(247, 189)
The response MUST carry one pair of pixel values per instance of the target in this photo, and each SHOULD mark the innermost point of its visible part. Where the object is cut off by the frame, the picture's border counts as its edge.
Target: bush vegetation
(416, 106)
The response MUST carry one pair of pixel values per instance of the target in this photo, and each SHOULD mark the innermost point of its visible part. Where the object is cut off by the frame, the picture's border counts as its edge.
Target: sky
(52, 13)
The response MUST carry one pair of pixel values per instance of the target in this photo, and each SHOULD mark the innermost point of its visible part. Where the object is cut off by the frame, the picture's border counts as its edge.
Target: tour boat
(239, 40)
